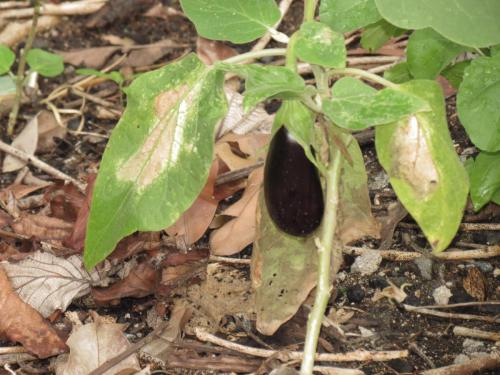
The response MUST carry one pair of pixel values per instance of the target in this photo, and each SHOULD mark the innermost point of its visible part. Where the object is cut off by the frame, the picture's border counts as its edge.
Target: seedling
(159, 155)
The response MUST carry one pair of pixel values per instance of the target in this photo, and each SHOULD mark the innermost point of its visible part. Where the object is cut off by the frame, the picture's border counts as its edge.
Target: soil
(385, 324)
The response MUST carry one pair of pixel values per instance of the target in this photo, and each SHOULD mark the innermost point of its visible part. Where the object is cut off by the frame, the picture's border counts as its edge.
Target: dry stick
(359, 355)
(40, 164)
(442, 314)
(12, 349)
(477, 333)
(337, 370)
(462, 304)
(63, 9)
(20, 71)
(215, 258)
(473, 366)
(237, 174)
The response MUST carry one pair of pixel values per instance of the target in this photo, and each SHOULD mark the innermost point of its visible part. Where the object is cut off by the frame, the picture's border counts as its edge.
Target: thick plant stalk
(309, 9)
(325, 245)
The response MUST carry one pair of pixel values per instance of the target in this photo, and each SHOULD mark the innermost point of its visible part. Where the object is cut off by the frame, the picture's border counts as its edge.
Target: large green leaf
(318, 44)
(283, 272)
(7, 58)
(263, 82)
(428, 53)
(398, 73)
(468, 22)
(348, 15)
(455, 73)
(478, 101)
(46, 63)
(484, 174)
(157, 160)
(417, 152)
(239, 21)
(375, 35)
(355, 105)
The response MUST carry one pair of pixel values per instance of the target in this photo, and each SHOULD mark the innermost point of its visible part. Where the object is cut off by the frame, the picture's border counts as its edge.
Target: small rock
(485, 267)
(341, 276)
(378, 282)
(355, 294)
(365, 332)
(496, 272)
(367, 263)
(425, 267)
(472, 346)
(442, 295)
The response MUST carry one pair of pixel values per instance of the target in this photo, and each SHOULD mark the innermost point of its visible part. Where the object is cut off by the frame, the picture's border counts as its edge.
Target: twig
(20, 71)
(477, 333)
(442, 314)
(359, 355)
(328, 370)
(471, 367)
(416, 349)
(12, 349)
(237, 174)
(40, 164)
(64, 9)
(215, 258)
(462, 304)
(366, 60)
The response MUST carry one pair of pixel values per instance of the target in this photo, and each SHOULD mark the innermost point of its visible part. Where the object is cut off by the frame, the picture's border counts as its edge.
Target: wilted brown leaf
(21, 323)
(475, 284)
(210, 51)
(395, 213)
(42, 227)
(239, 232)
(48, 130)
(93, 58)
(26, 141)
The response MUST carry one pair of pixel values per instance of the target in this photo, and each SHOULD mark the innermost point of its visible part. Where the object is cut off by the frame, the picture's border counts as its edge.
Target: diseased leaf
(263, 82)
(355, 105)
(239, 21)
(428, 53)
(417, 152)
(478, 101)
(484, 174)
(468, 22)
(283, 272)
(376, 35)
(399, 73)
(157, 161)
(455, 73)
(348, 15)
(318, 44)
(7, 58)
(46, 63)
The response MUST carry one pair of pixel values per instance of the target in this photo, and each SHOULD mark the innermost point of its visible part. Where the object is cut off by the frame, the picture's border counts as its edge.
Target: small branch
(20, 71)
(218, 259)
(40, 164)
(359, 355)
(363, 74)
(442, 314)
(471, 367)
(237, 174)
(476, 333)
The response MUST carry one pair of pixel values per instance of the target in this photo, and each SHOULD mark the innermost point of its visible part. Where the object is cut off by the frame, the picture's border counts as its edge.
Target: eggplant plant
(315, 192)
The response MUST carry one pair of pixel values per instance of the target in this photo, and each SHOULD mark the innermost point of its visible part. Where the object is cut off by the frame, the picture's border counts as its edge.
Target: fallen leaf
(390, 292)
(26, 141)
(93, 344)
(49, 283)
(116, 40)
(475, 284)
(395, 213)
(48, 130)
(210, 51)
(21, 323)
(93, 58)
(238, 233)
(42, 227)
(65, 200)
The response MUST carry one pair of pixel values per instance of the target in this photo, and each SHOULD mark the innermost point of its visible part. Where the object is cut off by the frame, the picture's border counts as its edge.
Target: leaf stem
(20, 71)
(309, 9)
(290, 57)
(363, 74)
(325, 245)
(255, 55)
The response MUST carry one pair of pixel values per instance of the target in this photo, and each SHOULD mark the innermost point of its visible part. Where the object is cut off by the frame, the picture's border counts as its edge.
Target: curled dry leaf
(475, 284)
(49, 283)
(233, 236)
(21, 323)
(41, 227)
(26, 141)
(390, 292)
(93, 344)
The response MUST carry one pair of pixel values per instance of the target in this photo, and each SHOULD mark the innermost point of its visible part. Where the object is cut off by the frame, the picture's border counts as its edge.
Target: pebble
(496, 272)
(472, 346)
(367, 263)
(485, 267)
(425, 267)
(355, 294)
(442, 295)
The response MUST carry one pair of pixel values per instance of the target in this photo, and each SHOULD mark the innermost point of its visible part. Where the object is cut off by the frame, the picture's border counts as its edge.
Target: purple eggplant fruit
(292, 187)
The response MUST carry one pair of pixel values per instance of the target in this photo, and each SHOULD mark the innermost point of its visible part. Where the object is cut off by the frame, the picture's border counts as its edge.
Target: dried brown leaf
(210, 51)
(26, 141)
(41, 227)
(475, 284)
(48, 130)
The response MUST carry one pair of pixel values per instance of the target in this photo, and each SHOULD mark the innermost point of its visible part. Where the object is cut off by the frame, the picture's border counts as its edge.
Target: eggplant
(292, 187)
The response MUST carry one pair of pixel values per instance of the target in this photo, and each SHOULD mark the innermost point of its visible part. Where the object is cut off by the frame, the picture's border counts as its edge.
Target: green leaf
(418, 154)
(398, 73)
(263, 82)
(46, 63)
(318, 44)
(158, 158)
(468, 22)
(428, 53)
(116, 77)
(484, 175)
(455, 73)
(283, 272)
(495, 50)
(376, 35)
(496, 197)
(348, 15)
(7, 58)
(356, 106)
(478, 101)
(239, 21)
(7, 86)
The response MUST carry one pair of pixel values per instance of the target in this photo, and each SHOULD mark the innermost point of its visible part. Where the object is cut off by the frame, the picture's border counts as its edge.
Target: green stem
(20, 71)
(364, 74)
(309, 9)
(325, 245)
(255, 55)
(291, 59)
